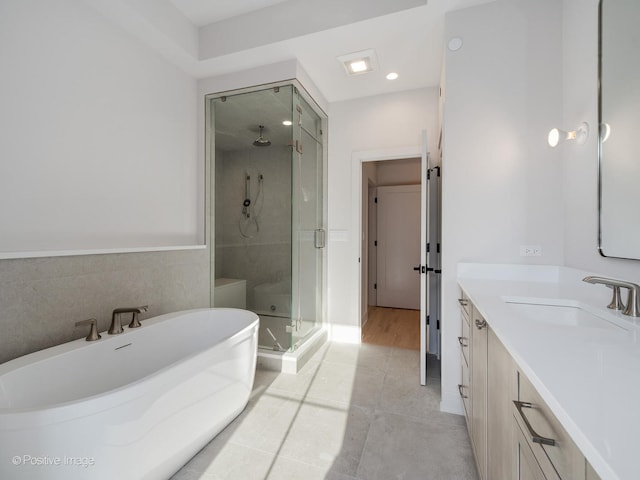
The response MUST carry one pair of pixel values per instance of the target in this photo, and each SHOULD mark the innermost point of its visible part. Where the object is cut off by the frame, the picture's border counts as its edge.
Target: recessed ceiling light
(392, 76)
(359, 66)
(287, 123)
(358, 63)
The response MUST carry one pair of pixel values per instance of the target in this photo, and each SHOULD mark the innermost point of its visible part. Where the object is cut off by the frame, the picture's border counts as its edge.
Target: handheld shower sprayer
(248, 223)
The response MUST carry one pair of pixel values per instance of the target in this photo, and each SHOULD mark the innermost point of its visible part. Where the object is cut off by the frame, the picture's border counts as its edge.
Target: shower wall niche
(268, 223)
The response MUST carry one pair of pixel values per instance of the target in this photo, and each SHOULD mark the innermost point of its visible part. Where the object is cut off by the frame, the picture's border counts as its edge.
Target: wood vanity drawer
(464, 339)
(526, 465)
(553, 445)
(465, 304)
(464, 390)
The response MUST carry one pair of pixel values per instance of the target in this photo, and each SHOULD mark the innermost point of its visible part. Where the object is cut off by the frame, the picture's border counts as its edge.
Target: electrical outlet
(530, 251)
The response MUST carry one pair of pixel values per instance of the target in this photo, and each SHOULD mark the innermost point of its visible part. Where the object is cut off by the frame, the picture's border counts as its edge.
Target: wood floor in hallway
(392, 327)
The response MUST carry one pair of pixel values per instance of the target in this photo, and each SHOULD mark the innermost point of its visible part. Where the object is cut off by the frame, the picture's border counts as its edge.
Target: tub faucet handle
(135, 321)
(93, 333)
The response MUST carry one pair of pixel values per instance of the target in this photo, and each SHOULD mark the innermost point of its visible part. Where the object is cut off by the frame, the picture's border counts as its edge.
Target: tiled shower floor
(353, 412)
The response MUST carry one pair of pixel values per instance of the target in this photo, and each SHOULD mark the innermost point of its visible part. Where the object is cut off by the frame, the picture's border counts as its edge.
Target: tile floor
(353, 412)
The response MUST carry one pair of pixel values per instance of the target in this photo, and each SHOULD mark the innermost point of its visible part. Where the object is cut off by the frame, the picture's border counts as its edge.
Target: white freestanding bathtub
(133, 406)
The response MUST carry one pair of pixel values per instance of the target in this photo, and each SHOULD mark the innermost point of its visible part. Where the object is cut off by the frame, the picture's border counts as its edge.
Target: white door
(398, 285)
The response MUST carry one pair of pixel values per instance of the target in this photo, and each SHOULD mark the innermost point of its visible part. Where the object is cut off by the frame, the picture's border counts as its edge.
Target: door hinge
(375, 243)
(438, 169)
(438, 247)
(428, 174)
(428, 247)
(428, 319)
(375, 200)
(437, 324)
(375, 286)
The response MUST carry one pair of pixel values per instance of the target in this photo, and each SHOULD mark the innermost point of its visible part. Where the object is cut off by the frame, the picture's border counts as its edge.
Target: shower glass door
(308, 234)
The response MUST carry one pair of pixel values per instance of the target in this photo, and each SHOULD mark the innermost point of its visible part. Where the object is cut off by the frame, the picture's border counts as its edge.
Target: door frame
(357, 159)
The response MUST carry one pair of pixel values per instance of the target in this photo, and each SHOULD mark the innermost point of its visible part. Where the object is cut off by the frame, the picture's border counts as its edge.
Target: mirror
(619, 139)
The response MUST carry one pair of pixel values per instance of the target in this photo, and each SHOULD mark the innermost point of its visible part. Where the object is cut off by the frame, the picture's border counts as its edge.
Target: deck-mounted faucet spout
(116, 322)
(632, 309)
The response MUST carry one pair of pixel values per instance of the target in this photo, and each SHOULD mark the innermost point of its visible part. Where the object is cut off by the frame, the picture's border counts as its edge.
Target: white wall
(580, 178)
(97, 143)
(97, 135)
(399, 172)
(384, 124)
(501, 181)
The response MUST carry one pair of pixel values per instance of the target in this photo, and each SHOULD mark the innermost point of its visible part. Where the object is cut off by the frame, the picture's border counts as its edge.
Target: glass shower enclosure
(267, 220)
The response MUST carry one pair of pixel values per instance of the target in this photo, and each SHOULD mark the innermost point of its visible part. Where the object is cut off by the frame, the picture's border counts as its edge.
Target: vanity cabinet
(511, 428)
(488, 385)
(556, 454)
(478, 367)
(464, 340)
(502, 388)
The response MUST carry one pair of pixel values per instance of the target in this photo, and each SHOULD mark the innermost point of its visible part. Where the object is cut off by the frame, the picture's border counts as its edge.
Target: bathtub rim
(64, 411)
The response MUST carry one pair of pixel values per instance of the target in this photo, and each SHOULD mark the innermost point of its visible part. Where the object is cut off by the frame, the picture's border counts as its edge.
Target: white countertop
(589, 377)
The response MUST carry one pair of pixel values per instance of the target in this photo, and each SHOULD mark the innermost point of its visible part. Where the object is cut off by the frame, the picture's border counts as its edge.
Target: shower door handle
(319, 238)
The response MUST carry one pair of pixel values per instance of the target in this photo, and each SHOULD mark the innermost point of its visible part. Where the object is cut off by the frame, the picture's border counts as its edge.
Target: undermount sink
(562, 313)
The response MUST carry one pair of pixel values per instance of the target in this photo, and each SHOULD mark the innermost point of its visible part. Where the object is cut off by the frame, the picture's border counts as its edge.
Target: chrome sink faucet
(632, 309)
(116, 322)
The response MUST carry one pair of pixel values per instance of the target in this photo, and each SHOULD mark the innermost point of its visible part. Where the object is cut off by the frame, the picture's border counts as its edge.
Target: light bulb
(554, 137)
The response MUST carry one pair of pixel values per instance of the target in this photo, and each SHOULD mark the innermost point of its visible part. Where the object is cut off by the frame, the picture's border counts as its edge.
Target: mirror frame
(600, 132)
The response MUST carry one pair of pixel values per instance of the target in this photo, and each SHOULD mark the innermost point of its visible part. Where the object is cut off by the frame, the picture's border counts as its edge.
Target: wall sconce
(557, 136)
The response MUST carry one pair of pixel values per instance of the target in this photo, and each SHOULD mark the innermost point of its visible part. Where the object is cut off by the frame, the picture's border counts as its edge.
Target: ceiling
(204, 12)
(408, 41)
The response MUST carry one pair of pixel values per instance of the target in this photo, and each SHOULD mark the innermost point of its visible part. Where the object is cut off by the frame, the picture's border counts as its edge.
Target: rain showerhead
(261, 141)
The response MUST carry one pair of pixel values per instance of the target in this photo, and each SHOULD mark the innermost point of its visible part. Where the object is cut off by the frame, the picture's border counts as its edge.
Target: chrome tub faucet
(116, 322)
(632, 309)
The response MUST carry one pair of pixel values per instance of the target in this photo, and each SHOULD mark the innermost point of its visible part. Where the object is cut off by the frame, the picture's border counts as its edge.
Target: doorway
(365, 177)
(391, 249)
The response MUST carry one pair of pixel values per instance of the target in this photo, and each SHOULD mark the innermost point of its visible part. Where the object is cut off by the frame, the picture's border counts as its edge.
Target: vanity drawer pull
(462, 302)
(462, 344)
(480, 324)
(460, 387)
(535, 438)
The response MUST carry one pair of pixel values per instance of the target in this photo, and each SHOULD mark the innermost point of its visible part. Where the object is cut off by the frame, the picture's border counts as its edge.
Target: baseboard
(345, 333)
(451, 402)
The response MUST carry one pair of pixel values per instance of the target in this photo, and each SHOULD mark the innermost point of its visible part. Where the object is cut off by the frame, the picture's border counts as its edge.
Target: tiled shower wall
(42, 298)
(265, 258)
